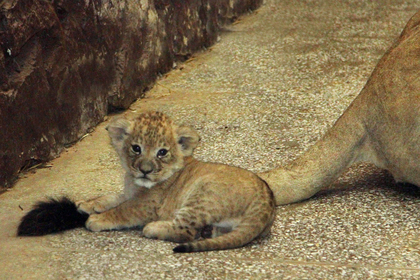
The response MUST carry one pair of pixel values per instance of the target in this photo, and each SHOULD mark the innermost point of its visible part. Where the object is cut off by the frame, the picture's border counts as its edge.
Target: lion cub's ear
(118, 130)
(187, 139)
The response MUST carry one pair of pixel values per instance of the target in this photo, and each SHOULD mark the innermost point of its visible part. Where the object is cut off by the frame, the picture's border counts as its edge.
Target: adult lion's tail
(380, 126)
(345, 143)
(51, 216)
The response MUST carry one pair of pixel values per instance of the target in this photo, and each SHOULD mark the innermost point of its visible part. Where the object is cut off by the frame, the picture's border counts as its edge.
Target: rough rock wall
(66, 63)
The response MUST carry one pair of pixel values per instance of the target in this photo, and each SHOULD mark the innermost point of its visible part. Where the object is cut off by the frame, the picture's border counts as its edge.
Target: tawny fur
(381, 126)
(176, 197)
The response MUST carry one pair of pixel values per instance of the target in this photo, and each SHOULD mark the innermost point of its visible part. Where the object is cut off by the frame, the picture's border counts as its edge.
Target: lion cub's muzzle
(145, 167)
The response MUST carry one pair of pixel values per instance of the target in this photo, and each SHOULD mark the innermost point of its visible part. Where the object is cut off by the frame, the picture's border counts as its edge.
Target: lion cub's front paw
(98, 222)
(90, 207)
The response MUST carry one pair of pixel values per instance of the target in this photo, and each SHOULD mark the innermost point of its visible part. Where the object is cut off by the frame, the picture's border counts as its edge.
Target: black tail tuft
(50, 217)
(183, 248)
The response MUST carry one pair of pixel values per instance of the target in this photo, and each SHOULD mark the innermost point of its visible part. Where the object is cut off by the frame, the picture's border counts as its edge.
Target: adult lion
(382, 126)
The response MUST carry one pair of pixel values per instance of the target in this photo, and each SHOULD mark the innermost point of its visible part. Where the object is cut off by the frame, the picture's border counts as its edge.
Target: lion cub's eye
(162, 152)
(136, 149)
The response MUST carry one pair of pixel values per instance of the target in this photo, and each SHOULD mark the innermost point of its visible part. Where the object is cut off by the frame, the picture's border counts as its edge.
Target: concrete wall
(65, 64)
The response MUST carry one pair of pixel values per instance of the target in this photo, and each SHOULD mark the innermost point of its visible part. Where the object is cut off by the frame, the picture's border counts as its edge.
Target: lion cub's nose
(146, 168)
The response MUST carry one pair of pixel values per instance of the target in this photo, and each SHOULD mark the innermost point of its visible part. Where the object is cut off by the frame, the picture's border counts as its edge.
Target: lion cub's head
(151, 147)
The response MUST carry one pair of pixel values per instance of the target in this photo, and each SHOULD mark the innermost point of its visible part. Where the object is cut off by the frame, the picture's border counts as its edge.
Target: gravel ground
(271, 86)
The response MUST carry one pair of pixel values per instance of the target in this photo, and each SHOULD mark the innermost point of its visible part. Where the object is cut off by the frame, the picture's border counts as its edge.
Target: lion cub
(176, 197)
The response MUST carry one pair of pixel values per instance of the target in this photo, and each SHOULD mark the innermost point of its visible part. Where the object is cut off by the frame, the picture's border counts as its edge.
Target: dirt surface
(263, 94)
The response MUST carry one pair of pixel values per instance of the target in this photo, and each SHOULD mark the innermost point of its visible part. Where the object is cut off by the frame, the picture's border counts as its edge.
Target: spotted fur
(205, 206)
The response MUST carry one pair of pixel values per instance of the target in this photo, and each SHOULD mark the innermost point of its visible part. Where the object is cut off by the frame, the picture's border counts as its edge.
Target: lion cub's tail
(240, 236)
(51, 216)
